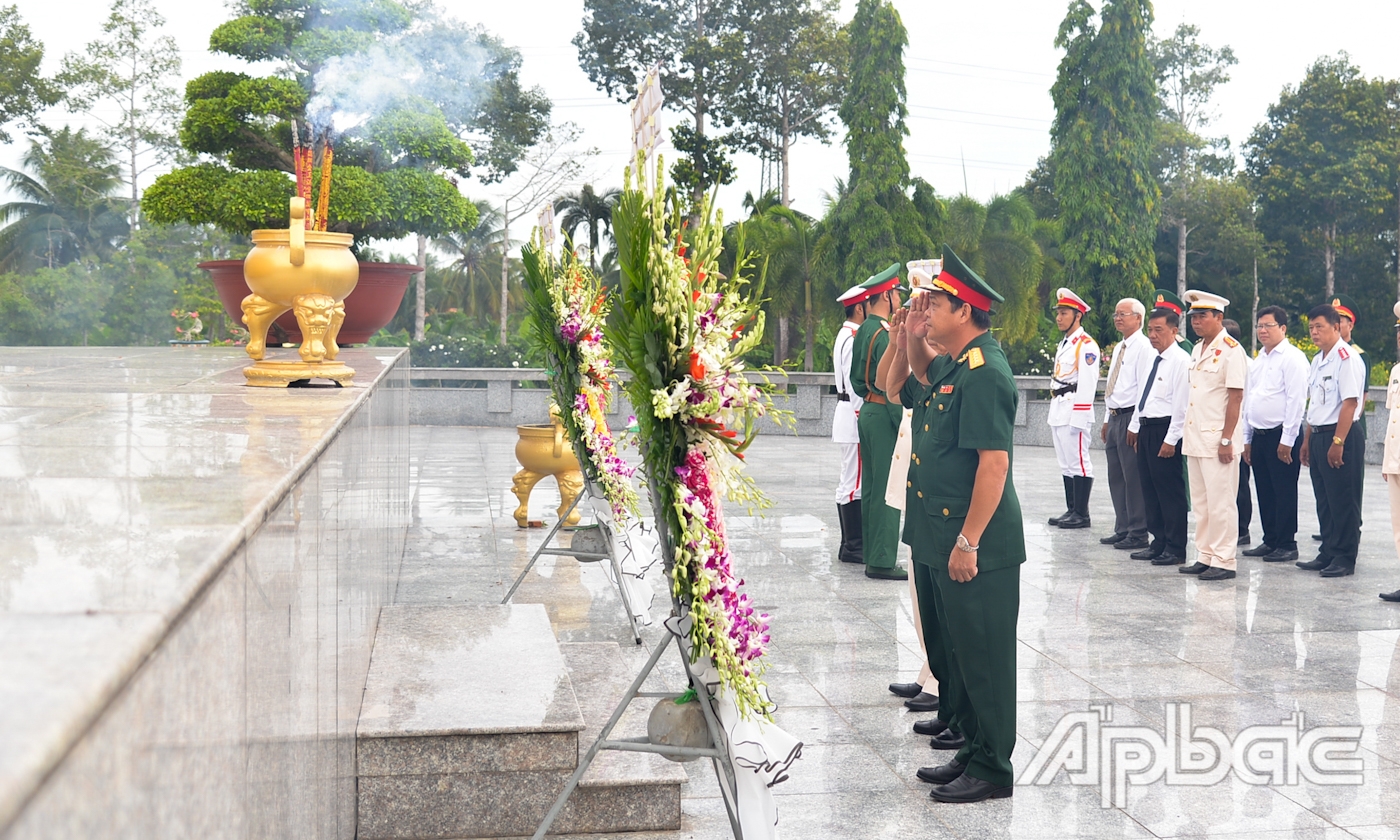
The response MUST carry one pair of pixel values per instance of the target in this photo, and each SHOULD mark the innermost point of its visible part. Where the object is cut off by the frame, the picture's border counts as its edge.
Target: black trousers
(1243, 504)
(1163, 487)
(1276, 484)
(1338, 492)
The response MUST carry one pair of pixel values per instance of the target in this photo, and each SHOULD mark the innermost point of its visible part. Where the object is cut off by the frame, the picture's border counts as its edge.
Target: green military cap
(965, 284)
(1167, 299)
(885, 281)
(1344, 305)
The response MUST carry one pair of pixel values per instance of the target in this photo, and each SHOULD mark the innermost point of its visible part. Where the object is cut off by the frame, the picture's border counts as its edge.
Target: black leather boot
(1069, 502)
(1079, 518)
(841, 518)
(854, 550)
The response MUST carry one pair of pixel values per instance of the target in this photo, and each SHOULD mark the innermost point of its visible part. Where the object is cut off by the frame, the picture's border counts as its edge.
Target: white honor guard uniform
(1390, 459)
(1075, 380)
(843, 425)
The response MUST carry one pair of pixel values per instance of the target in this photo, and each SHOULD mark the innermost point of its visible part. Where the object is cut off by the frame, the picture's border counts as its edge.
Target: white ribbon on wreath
(637, 551)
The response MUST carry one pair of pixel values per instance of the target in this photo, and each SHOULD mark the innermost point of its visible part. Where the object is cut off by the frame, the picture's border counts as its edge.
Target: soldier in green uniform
(963, 473)
(1167, 299)
(878, 424)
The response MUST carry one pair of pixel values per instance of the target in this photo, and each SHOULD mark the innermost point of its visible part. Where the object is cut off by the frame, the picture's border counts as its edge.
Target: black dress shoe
(1112, 539)
(1337, 570)
(948, 739)
(1168, 560)
(1317, 537)
(906, 689)
(1194, 569)
(924, 702)
(1074, 521)
(1393, 597)
(940, 775)
(1243, 540)
(1259, 550)
(1282, 555)
(1148, 554)
(967, 789)
(929, 727)
(1316, 565)
(1130, 544)
(1218, 574)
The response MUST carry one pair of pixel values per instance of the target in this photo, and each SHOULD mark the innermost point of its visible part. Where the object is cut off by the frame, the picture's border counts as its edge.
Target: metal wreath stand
(587, 554)
(677, 630)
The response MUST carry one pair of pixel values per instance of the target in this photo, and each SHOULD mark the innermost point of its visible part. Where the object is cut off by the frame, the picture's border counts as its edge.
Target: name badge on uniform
(945, 389)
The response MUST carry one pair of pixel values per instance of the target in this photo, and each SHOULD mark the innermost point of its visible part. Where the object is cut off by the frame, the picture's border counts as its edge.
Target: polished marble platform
(191, 572)
(1095, 628)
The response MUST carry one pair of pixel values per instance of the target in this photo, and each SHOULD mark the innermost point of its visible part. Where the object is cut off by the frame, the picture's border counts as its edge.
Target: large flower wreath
(682, 329)
(566, 308)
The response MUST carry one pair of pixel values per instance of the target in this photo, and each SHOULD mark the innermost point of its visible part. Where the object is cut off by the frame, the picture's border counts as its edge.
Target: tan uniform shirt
(1390, 461)
(1215, 369)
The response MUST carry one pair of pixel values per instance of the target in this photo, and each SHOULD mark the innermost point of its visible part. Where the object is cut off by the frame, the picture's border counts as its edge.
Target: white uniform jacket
(843, 425)
(1076, 364)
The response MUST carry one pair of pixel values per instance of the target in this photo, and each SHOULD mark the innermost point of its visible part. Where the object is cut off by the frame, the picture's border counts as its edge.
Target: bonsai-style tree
(400, 146)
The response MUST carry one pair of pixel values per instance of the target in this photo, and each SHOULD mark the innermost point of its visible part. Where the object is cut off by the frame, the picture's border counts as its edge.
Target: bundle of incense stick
(323, 204)
(301, 157)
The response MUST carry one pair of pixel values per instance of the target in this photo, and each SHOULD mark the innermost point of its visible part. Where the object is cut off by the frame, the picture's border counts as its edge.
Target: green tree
(1102, 144)
(1188, 72)
(874, 222)
(998, 240)
(51, 306)
(65, 210)
(1324, 166)
(795, 56)
(590, 210)
(24, 92)
(469, 278)
(125, 81)
(693, 42)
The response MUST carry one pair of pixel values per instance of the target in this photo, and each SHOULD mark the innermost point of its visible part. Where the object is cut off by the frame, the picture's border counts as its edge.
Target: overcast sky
(978, 75)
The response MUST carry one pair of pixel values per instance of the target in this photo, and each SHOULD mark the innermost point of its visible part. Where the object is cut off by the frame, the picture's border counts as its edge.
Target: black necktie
(1151, 377)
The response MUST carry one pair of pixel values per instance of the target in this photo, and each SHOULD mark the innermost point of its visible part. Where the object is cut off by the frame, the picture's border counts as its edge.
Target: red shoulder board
(1230, 342)
(1343, 354)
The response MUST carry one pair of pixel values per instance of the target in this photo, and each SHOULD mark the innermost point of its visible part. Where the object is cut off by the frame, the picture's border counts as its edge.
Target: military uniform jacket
(1077, 364)
(869, 345)
(972, 406)
(915, 396)
(1215, 369)
(843, 425)
(1390, 460)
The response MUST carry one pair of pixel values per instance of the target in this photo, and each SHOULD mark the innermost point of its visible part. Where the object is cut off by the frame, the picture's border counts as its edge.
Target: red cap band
(952, 285)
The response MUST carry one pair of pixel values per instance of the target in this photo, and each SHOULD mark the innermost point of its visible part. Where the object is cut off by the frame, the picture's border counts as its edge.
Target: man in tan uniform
(1217, 375)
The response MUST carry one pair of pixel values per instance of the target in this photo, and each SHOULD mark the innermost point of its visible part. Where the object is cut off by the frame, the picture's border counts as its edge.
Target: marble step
(471, 726)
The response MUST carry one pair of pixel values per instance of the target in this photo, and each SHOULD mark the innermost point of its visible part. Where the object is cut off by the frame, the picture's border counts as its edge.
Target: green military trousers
(979, 627)
(930, 616)
(879, 428)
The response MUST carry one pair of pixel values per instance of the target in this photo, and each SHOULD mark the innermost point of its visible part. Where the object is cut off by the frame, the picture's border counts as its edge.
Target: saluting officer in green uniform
(878, 424)
(963, 472)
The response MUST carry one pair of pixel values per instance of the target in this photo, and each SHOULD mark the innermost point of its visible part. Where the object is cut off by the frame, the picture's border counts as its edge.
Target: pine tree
(1101, 155)
(875, 223)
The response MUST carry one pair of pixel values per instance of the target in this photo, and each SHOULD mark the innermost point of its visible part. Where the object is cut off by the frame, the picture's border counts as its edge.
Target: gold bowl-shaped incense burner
(310, 273)
(544, 449)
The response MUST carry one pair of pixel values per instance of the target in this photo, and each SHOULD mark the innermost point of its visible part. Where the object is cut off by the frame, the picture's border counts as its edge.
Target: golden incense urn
(309, 272)
(543, 449)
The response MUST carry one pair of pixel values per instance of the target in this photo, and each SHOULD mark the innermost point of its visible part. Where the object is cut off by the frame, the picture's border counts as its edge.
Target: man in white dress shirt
(1154, 432)
(1278, 391)
(1072, 390)
(843, 428)
(1390, 461)
(1120, 397)
(1218, 371)
(1334, 447)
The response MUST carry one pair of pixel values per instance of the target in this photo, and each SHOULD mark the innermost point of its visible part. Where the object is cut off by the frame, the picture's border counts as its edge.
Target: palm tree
(998, 240)
(470, 278)
(590, 209)
(794, 254)
(66, 210)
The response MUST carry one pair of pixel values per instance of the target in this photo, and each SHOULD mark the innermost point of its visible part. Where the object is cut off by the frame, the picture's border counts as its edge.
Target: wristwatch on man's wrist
(965, 546)
(1225, 441)
(1336, 441)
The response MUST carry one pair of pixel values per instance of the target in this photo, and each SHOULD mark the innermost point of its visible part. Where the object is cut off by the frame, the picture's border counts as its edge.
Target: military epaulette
(1359, 349)
(1343, 354)
(1083, 337)
(886, 325)
(1230, 342)
(974, 358)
